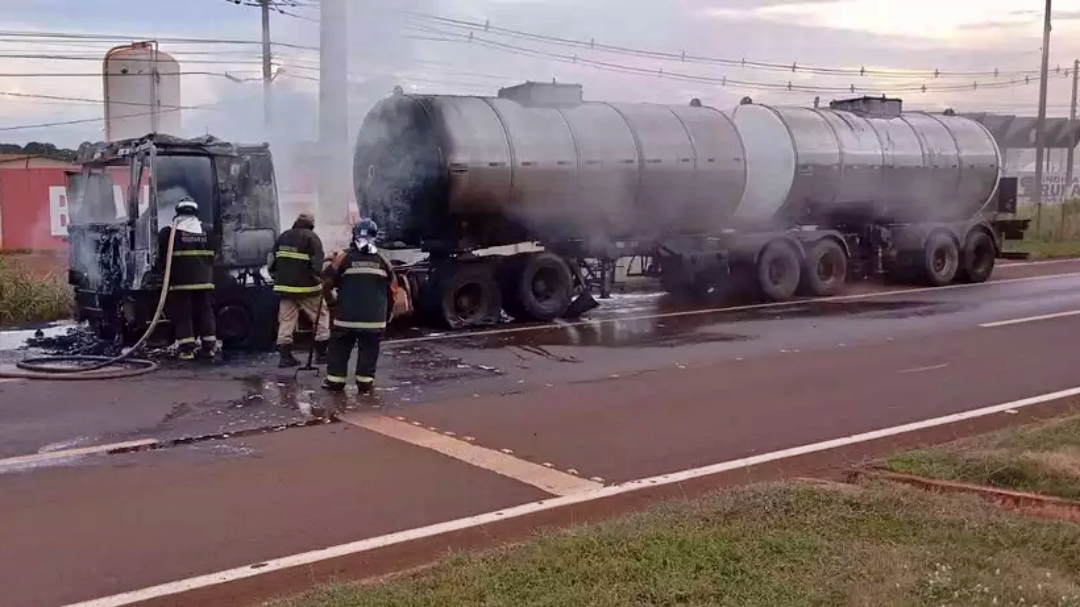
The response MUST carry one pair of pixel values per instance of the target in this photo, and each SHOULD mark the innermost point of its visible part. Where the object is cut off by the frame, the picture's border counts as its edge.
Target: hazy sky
(909, 38)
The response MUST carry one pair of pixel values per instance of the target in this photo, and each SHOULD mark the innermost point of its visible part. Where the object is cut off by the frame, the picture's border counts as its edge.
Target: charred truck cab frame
(770, 200)
(112, 233)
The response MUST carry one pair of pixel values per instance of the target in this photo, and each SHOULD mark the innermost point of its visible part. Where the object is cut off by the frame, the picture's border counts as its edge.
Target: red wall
(26, 217)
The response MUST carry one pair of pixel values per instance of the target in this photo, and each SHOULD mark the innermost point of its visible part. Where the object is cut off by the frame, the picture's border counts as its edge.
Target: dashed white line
(501, 462)
(42, 458)
(1018, 321)
(401, 537)
(925, 369)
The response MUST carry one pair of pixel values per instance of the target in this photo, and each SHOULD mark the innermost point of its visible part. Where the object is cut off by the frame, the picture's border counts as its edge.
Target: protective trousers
(289, 314)
(342, 342)
(192, 314)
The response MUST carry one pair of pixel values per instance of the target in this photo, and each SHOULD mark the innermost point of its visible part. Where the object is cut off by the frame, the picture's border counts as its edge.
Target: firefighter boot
(320, 352)
(286, 358)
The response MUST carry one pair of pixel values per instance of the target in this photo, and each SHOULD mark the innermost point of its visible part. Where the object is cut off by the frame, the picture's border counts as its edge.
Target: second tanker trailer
(776, 199)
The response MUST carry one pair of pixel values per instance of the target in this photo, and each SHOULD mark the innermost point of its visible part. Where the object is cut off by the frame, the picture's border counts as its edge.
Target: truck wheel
(542, 291)
(778, 272)
(469, 297)
(980, 254)
(824, 271)
(941, 260)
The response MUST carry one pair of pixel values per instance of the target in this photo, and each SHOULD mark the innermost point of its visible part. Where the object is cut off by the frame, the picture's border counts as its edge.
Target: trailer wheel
(779, 271)
(824, 271)
(542, 290)
(941, 259)
(980, 254)
(469, 297)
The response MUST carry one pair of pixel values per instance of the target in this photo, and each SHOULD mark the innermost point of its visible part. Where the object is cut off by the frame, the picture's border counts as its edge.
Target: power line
(123, 38)
(43, 125)
(684, 57)
(99, 75)
(87, 100)
(722, 81)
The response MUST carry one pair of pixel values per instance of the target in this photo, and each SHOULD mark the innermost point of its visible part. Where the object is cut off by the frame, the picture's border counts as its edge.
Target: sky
(619, 50)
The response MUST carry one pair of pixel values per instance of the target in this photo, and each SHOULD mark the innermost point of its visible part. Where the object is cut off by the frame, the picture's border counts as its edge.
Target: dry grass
(28, 296)
(776, 545)
(1040, 458)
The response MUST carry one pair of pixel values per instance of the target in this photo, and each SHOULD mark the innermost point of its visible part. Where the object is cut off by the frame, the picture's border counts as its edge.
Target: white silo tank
(137, 78)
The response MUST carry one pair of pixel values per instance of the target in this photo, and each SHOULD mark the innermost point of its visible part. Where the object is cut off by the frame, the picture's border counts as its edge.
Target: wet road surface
(621, 396)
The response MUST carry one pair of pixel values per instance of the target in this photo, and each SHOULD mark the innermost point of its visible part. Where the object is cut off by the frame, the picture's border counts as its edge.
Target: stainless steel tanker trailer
(777, 200)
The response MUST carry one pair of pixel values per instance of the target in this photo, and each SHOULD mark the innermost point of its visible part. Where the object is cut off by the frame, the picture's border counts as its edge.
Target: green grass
(1045, 249)
(27, 296)
(769, 546)
(1041, 458)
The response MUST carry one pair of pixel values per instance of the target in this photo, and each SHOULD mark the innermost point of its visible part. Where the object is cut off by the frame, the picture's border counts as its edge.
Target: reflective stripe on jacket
(298, 256)
(364, 297)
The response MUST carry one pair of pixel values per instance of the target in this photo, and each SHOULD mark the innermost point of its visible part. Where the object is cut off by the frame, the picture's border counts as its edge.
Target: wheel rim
(544, 285)
(468, 300)
(778, 271)
(940, 260)
(984, 256)
(827, 267)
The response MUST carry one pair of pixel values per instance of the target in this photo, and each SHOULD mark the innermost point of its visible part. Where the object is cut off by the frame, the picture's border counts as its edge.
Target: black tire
(236, 327)
(980, 255)
(468, 297)
(824, 271)
(541, 289)
(941, 260)
(779, 271)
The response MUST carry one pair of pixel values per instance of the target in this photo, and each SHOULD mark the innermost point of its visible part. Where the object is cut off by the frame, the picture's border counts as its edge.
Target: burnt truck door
(249, 208)
(97, 242)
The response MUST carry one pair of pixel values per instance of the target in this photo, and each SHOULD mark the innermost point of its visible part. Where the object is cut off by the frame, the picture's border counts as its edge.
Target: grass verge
(1039, 458)
(776, 545)
(29, 296)
(1045, 249)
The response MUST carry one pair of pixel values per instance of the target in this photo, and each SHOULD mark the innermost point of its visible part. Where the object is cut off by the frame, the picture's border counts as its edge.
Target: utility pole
(267, 68)
(335, 181)
(1040, 126)
(1066, 198)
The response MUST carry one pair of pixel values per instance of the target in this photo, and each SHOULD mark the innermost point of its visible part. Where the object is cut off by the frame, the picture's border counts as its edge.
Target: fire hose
(44, 367)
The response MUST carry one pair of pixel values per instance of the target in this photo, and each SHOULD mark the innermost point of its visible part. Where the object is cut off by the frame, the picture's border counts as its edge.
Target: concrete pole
(1040, 126)
(335, 181)
(1071, 150)
(267, 66)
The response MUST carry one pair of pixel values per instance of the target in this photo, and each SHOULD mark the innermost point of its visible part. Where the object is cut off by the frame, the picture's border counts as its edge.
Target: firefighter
(364, 282)
(296, 265)
(189, 302)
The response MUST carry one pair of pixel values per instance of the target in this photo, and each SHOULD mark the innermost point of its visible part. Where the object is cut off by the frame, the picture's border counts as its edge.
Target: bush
(27, 297)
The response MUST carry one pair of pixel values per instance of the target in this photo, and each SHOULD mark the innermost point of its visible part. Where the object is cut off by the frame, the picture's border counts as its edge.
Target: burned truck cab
(126, 192)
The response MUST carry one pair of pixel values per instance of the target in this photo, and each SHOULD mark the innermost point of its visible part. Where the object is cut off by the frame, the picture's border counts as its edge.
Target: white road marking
(409, 535)
(39, 458)
(924, 369)
(500, 462)
(699, 312)
(1018, 321)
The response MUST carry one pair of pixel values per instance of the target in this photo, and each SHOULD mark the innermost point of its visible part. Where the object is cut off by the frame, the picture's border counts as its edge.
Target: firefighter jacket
(364, 282)
(192, 259)
(298, 257)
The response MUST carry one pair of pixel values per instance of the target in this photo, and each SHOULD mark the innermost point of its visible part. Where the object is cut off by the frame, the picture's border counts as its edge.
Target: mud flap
(584, 303)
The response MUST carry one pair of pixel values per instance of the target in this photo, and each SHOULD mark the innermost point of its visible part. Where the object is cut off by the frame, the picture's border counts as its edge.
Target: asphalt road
(466, 425)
